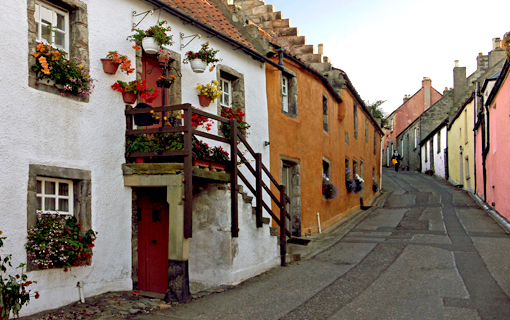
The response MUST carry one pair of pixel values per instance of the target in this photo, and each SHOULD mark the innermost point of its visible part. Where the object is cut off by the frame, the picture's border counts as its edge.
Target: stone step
(271, 16)
(303, 49)
(273, 231)
(262, 9)
(293, 41)
(287, 32)
(311, 58)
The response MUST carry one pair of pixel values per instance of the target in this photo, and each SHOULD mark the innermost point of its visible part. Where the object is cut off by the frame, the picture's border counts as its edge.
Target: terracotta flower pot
(201, 164)
(139, 160)
(129, 97)
(163, 59)
(205, 101)
(198, 65)
(109, 66)
(217, 167)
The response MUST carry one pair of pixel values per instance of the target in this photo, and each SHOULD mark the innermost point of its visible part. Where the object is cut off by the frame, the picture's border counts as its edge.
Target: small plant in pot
(201, 59)
(13, 289)
(350, 184)
(208, 93)
(165, 81)
(131, 90)
(154, 38)
(113, 60)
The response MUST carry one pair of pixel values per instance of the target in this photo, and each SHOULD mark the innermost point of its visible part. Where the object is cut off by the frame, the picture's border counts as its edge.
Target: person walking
(396, 160)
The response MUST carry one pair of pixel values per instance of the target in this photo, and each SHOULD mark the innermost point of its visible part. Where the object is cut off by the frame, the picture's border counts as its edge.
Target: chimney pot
(496, 43)
(456, 63)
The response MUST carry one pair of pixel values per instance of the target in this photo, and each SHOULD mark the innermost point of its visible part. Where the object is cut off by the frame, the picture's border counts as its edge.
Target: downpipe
(80, 289)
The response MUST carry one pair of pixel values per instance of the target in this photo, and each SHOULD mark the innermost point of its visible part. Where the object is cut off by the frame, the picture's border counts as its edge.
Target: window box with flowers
(131, 90)
(56, 242)
(358, 183)
(201, 59)
(208, 93)
(350, 184)
(112, 62)
(69, 76)
(154, 38)
(13, 289)
(238, 115)
(220, 158)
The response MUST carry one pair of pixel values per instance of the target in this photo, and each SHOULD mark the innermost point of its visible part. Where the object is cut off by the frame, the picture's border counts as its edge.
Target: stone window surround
(294, 194)
(292, 92)
(346, 137)
(237, 89)
(355, 120)
(78, 40)
(82, 189)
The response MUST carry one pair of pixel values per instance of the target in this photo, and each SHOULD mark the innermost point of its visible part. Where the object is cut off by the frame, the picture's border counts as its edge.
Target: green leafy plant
(205, 54)
(56, 242)
(219, 155)
(200, 148)
(505, 44)
(157, 142)
(158, 32)
(13, 289)
(238, 115)
(69, 75)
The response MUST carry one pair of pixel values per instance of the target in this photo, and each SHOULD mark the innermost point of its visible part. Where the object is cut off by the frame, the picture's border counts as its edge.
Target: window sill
(41, 86)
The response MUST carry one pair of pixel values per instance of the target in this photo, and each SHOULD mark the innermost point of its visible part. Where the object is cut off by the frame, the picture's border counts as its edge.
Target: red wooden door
(151, 64)
(153, 241)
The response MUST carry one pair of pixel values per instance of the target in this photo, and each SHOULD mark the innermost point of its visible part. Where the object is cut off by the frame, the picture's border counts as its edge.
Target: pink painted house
(492, 143)
(412, 107)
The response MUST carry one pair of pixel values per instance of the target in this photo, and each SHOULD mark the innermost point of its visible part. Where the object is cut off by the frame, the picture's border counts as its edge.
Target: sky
(386, 47)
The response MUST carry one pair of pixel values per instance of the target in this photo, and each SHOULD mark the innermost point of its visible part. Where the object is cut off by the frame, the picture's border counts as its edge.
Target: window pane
(39, 186)
(61, 22)
(46, 33)
(36, 15)
(39, 203)
(63, 189)
(49, 187)
(63, 205)
(49, 204)
(46, 16)
(226, 87)
(60, 39)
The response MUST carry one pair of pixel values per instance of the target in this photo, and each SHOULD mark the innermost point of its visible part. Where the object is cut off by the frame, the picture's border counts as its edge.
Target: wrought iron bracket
(134, 14)
(184, 37)
(166, 68)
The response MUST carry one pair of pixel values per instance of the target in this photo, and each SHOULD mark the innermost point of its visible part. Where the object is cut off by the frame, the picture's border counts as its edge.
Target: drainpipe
(80, 289)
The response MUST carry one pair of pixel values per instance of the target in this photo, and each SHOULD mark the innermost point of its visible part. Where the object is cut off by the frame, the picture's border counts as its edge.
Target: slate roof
(209, 14)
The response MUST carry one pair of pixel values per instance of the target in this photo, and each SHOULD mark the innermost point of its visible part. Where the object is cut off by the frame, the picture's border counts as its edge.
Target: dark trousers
(396, 166)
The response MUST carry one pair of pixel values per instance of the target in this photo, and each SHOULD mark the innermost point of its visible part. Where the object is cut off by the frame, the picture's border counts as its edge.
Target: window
(285, 94)
(426, 151)
(346, 168)
(354, 167)
(47, 18)
(346, 137)
(375, 143)
(326, 167)
(232, 88)
(54, 195)
(366, 130)
(439, 141)
(466, 125)
(65, 190)
(416, 138)
(325, 112)
(289, 94)
(355, 118)
(69, 20)
(226, 93)
(402, 146)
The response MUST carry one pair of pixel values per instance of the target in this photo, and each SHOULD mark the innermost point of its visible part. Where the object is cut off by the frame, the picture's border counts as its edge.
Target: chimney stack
(496, 43)
(407, 97)
(321, 48)
(497, 52)
(426, 84)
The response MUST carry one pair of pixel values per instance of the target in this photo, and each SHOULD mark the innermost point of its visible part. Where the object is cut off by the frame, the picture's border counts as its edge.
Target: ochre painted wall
(460, 134)
(304, 140)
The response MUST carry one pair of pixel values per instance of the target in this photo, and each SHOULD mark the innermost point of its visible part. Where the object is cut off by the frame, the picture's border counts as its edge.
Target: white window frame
(56, 196)
(415, 138)
(285, 94)
(38, 21)
(226, 98)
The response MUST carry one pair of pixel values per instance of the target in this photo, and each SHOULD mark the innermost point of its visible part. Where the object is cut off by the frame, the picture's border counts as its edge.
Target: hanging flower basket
(109, 66)
(150, 45)
(129, 97)
(198, 66)
(205, 101)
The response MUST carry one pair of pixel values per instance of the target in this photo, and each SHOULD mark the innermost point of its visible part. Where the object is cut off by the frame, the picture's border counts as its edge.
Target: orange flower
(212, 68)
(37, 54)
(41, 47)
(44, 64)
(136, 47)
(55, 55)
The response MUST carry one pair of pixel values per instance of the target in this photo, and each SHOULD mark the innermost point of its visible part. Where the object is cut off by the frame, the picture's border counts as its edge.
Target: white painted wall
(46, 129)
(439, 158)
(215, 257)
